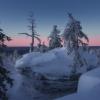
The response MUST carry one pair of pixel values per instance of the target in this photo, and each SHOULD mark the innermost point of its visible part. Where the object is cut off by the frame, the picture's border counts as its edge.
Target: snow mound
(89, 80)
(26, 59)
(55, 62)
(88, 88)
(93, 95)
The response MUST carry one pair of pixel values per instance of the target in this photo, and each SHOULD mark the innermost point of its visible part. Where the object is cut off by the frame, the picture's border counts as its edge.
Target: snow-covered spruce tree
(73, 37)
(5, 80)
(3, 37)
(33, 34)
(54, 38)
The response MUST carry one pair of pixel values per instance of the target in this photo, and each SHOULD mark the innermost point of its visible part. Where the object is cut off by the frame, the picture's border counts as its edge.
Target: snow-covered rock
(52, 63)
(55, 62)
(26, 59)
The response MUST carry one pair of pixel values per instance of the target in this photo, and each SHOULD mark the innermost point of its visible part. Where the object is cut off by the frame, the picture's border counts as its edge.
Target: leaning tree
(5, 79)
(74, 38)
(54, 38)
(34, 35)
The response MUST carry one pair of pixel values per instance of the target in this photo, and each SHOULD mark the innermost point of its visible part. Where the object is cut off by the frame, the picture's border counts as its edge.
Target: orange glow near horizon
(94, 41)
(25, 41)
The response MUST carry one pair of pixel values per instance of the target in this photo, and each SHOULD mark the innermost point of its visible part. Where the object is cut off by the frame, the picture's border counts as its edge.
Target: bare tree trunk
(32, 29)
(32, 44)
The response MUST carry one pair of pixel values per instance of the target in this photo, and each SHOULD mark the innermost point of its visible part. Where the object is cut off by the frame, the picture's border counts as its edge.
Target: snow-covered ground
(88, 88)
(53, 64)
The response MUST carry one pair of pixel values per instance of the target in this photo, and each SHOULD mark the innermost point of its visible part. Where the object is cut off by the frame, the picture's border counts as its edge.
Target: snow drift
(89, 80)
(88, 88)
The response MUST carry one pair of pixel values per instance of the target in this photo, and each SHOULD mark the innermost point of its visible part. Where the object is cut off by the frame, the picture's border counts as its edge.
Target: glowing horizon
(25, 41)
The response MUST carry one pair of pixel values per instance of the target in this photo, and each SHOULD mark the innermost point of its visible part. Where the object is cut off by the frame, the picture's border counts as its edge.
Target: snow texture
(88, 88)
(55, 62)
(89, 80)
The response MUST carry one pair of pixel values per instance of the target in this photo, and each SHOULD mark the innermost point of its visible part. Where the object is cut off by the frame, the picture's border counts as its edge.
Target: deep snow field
(54, 64)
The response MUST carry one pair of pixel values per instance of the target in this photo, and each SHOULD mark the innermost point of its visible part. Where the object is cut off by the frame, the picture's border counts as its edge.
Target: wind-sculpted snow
(26, 59)
(88, 88)
(89, 80)
(22, 88)
(55, 62)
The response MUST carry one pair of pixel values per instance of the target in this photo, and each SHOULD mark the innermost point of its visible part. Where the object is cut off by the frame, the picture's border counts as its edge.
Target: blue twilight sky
(14, 15)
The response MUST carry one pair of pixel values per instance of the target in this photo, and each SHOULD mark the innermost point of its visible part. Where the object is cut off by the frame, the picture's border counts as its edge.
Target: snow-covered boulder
(54, 63)
(26, 60)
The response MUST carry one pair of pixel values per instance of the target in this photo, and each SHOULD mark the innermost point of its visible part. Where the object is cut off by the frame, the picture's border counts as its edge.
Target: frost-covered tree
(34, 35)
(5, 79)
(75, 39)
(3, 38)
(54, 38)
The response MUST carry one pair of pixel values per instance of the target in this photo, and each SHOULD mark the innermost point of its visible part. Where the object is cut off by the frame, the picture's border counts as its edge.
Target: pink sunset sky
(25, 41)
